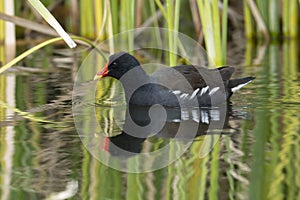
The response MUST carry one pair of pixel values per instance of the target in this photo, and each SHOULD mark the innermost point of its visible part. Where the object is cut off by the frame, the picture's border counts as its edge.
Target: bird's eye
(113, 65)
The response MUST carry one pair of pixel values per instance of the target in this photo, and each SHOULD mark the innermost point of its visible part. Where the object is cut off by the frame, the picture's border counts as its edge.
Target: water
(256, 156)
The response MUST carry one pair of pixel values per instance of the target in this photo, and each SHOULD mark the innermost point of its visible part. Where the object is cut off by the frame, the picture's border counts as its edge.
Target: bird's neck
(133, 79)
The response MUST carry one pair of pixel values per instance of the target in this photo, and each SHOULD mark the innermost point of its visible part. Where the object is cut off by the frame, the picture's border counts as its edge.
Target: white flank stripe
(176, 120)
(176, 92)
(236, 88)
(213, 90)
(194, 93)
(184, 95)
(203, 90)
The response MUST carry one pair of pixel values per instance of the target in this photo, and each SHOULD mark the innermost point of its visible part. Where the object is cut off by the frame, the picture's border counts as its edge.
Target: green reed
(288, 156)
(115, 18)
(274, 18)
(93, 19)
(128, 15)
(87, 19)
(155, 23)
(108, 18)
(291, 23)
(230, 168)
(44, 12)
(214, 171)
(272, 12)
(110, 25)
(206, 20)
(224, 30)
(203, 177)
(215, 41)
(290, 18)
(249, 24)
(171, 14)
(2, 35)
(41, 45)
(110, 187)
(99, 19)
(293, 18)
(170, 26)
(263, 8)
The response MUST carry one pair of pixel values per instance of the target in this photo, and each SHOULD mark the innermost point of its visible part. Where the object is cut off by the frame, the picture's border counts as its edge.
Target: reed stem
(99, 19)
(110, 26)
(170, 23)
(261, 26)
(176, 27)
(155, 22)
(262, 6)
(217, 31)
(273, 18)
(131, 24)
(249, 27)
(41, 45)
(2, 35)
(293, 18)
(114, 8)
(208, 15)
(86, 19)
(43, 11)
(161, 8)
(285, 18)
(224, 30)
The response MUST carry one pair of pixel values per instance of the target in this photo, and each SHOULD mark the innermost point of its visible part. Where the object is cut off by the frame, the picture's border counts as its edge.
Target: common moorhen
(173, 86)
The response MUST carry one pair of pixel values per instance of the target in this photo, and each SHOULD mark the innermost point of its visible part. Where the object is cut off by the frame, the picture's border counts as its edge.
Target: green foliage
(272, 12)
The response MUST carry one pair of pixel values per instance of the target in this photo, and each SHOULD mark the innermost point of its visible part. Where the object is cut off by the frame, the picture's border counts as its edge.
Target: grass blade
(52, 21)
(249, 26)
(25, 114)
(37, 47)
(224, 30)
(216, 32)
(274, 18)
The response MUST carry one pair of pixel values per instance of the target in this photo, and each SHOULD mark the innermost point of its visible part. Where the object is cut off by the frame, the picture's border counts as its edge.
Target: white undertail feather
(213, 90)
(203, 90)
(236, 88)
(176, 92)
(194, 93)
(184, 95)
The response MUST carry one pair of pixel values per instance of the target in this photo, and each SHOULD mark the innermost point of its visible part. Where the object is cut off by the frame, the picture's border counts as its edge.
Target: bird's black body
(175, 86)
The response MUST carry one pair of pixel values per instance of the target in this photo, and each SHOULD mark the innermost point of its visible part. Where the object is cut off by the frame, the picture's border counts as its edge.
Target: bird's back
(188, 78)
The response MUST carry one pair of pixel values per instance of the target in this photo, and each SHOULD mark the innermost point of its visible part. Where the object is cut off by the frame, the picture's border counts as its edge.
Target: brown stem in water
(258, 18)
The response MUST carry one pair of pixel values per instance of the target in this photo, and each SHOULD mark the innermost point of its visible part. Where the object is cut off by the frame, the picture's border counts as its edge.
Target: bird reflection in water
(186, 124)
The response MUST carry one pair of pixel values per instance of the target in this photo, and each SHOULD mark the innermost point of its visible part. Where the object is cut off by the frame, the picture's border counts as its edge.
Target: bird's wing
(188, 78)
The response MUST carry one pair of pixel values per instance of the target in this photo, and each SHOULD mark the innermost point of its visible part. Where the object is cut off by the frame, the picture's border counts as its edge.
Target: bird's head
(117, 65)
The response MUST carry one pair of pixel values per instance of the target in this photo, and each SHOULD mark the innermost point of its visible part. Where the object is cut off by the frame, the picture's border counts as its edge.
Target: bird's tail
(236, 84)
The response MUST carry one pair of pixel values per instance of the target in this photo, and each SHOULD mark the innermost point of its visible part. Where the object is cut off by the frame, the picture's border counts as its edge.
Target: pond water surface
(255, 155)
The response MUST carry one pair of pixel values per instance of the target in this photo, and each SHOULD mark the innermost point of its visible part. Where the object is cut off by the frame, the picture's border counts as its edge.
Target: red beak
(102, 73)
(105, 144)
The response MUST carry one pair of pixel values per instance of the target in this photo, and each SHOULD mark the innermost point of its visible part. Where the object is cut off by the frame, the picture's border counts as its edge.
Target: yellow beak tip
(96, 77)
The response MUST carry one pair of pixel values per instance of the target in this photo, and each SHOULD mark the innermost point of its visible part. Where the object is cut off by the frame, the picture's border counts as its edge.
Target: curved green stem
(39, 46)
